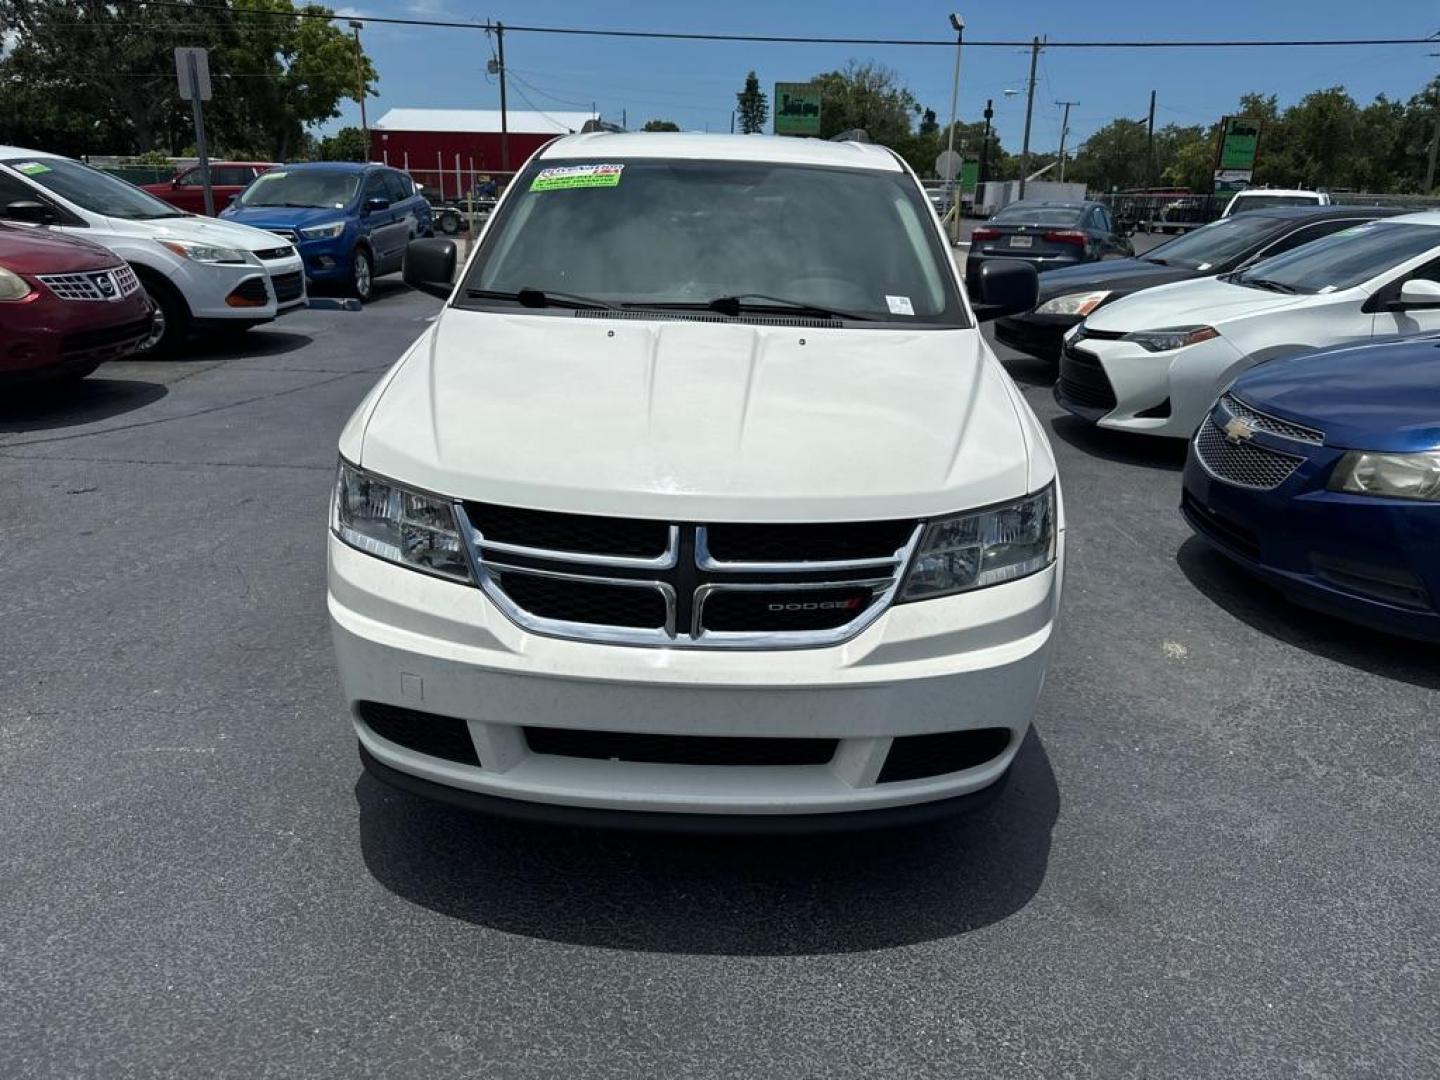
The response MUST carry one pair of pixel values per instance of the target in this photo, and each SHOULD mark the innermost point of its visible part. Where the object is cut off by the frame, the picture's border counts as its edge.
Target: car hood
(1368, 397)
(39, 251)
(204, 230)
(690, 420)
(1117, 275)
(282, 217)
(1204, 301)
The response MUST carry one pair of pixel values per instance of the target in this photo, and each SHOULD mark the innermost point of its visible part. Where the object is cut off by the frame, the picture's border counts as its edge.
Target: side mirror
(36, 213)
(1419, 293)
(1004, 287)
(376, 203)
(430, 266)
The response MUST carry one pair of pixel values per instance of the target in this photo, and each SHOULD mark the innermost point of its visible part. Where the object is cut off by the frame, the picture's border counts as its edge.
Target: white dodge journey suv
(701, 501)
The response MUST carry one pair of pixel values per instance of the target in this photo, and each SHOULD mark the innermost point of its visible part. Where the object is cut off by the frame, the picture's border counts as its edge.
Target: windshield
(303, 187)
(1031, 214)
(1344, 259)
(648, 232)
(1214, 244)
(93, 190)
(1267, 202)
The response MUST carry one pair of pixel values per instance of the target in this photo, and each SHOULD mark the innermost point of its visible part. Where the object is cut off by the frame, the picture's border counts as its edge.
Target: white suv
(703, 496)
(1270, 198)
(201, 273)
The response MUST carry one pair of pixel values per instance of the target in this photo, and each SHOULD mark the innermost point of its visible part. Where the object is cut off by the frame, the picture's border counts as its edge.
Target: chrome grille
(1240, 461)
(645, 582)
(93, 284)
(271, 254)
(286, 234)
(1273, 424)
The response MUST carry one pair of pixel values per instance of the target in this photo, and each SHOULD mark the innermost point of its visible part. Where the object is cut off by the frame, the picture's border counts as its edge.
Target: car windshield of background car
(307, 188)
(1346, 258)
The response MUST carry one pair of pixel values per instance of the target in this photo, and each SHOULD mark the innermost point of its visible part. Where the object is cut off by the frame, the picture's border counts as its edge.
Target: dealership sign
(1239, 143)
(797, 108)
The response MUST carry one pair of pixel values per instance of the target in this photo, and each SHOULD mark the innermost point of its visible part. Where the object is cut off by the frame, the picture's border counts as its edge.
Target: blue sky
(694, 83)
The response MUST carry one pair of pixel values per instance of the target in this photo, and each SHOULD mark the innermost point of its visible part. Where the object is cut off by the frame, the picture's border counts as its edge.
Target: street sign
(797, 108)
(192, 68)
(948, 165)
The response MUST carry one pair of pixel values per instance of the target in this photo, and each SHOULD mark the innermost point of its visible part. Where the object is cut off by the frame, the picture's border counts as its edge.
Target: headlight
(1395, 476)
(13, 286)
(397, 524)
(205, 253)
(984, 547)
(323, 232)
(1080, 303)
(1171, 338)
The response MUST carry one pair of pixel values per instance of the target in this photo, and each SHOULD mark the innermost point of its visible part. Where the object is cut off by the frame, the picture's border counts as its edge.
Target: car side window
(396, 187)
(1102, 220)
(231, 175)
(189, 178)
(12, 190)
(375, 187)
(1429, 272)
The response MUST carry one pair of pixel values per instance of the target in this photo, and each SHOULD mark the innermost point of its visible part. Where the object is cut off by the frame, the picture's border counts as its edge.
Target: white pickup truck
(703, 502)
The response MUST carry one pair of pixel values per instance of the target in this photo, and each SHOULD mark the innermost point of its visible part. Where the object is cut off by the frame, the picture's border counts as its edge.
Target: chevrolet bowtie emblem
(1238, 431)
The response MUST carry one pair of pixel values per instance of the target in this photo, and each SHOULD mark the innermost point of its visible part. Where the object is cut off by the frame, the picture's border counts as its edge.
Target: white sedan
(1154, 362)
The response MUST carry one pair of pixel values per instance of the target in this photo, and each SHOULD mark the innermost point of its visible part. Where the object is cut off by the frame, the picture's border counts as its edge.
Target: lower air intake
(678, 749)
(914, 757)
(425, 733)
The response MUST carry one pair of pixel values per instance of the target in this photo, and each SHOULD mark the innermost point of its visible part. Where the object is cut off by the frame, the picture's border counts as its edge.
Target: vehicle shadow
(739, 896)
(1266, 609)
(44, 408)
(1029, 370)
(1145, 451)
(251, 345)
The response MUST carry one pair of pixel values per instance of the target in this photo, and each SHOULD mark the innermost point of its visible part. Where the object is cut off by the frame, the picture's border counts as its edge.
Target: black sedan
(1067, 296)
(1047, 235)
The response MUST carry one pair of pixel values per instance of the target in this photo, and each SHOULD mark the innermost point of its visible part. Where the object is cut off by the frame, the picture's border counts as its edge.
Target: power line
(784, 39)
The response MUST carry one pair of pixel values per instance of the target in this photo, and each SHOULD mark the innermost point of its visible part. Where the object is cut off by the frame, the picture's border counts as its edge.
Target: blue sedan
(1321, 475)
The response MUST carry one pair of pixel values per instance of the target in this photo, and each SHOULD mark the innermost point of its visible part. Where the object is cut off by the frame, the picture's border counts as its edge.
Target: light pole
(959, 25)
(355, 25)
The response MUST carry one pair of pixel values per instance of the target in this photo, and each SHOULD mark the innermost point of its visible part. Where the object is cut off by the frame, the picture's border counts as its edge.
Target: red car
(66, 306)
(227, 179)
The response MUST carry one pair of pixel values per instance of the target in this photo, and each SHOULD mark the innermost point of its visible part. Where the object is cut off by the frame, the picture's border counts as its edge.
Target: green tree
(752, 106)
(347, 144)
(99, 78)
(660, 125)
(866, 96)
(1115, 156)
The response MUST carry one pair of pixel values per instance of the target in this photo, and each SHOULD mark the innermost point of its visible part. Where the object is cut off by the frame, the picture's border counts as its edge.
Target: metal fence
(1180, 213)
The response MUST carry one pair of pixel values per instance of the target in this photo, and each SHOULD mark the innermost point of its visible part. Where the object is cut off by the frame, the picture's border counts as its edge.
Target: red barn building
(445, 149)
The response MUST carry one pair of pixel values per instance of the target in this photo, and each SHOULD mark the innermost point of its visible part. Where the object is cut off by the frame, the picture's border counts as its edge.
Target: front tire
(362, 274)
(171, 319)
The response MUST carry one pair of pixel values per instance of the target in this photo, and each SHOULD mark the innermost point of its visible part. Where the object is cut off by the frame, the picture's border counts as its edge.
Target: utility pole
(1150, 144)
(984, 172)
(958, 24)
(355, 25)
(1064, 132)
(504, 113)
(1029, 108)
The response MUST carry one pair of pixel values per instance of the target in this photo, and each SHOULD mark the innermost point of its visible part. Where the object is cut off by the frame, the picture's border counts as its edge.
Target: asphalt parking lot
(1216, 857)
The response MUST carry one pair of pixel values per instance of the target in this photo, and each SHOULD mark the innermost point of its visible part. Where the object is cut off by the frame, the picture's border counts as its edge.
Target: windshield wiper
(1266, 283)
(733, 305)
(1157, 262)
(539, 298)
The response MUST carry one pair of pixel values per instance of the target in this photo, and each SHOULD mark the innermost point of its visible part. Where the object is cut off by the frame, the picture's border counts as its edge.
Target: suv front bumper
(968, 662)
